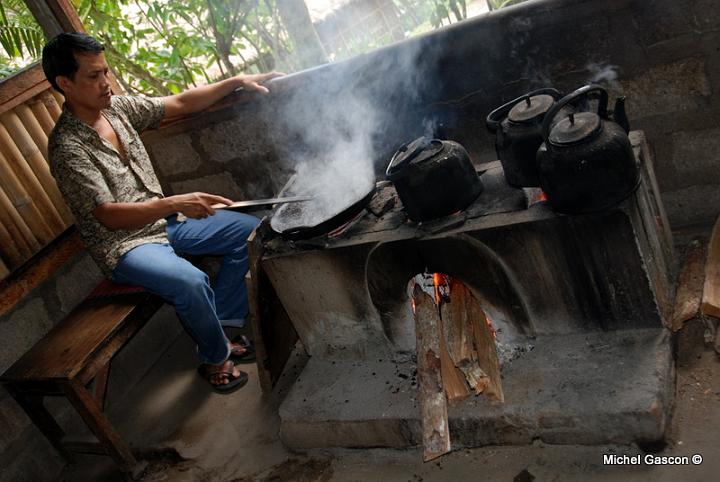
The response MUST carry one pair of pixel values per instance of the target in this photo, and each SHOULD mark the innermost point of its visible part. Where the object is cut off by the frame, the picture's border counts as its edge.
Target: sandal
(242, 350)
(207, 372)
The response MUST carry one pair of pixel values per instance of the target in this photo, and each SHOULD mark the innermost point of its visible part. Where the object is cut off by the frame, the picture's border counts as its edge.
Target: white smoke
(604, 75)
(338, 169)
(335, 121)
(429, 126)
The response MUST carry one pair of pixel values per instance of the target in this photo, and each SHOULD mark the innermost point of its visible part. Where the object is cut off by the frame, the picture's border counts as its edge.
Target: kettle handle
(581, 92)
(495, 117)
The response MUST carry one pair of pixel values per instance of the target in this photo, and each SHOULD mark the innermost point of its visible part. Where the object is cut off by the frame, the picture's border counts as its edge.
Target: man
(129, 227)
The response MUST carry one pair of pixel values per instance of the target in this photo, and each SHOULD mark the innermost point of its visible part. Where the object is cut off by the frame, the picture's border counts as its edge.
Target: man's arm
(199, 98)
(127, 216)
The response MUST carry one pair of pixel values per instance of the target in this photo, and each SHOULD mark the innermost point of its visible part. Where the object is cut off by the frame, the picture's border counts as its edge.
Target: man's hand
(197, 205)
(200, 98)
(252, 82)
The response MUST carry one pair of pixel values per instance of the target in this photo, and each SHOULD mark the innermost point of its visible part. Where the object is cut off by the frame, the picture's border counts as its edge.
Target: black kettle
(518, 126)
(586, 162)
(433, 178)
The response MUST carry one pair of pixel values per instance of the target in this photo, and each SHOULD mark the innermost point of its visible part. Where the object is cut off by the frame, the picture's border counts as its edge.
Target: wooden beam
(22, 86)
(45, 17)
(45, 263)
(57, 16)
(66, 15)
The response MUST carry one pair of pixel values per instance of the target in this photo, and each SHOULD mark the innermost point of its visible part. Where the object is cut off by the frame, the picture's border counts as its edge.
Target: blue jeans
(199, 306)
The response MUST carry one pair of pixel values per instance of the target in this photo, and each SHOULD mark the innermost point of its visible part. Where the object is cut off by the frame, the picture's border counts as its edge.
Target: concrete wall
(664, 53)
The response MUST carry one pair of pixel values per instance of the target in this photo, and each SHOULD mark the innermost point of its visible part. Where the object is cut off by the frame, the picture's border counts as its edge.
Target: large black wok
(304, 220)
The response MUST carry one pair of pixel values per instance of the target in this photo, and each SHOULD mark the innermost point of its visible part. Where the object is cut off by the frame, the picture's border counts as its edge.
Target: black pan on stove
(305, 220)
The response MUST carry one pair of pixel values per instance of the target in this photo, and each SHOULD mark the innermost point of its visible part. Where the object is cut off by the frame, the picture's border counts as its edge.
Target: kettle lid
(531, 108)
(419, 150)
(575, 128)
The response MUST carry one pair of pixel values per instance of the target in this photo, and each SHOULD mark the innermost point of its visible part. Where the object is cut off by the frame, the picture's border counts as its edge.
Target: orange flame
(437, 279)
(490, 325)
(441, 284)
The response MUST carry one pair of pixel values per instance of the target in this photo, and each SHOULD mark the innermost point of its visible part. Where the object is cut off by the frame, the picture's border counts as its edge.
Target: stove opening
(464, 335)
(461, 263)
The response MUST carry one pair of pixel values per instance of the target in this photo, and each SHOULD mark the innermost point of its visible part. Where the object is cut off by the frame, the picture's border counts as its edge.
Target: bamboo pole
(59, 98)
(4, 271)
(52, 104)
(23, 203)
(9, 250)
(41, 114)
(30, 182)
(33, 127)
(35, 159)
(22, 239)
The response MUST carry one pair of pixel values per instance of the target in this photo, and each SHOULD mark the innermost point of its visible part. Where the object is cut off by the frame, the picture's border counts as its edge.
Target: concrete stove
(580, 303)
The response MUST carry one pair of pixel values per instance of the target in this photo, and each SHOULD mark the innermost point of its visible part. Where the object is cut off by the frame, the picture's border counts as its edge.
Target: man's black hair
(58, 56)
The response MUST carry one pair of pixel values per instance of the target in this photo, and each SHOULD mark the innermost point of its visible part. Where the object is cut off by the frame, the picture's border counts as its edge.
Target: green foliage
(159, 47)
(498, 4)
(430, 14)
(443, 8)
(21, 39)
(165, 46)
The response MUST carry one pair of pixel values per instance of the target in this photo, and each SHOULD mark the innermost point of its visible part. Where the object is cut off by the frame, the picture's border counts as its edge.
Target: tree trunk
(296, 18)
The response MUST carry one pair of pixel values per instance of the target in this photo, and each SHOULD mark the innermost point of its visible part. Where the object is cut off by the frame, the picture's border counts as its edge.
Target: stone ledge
(594, 388)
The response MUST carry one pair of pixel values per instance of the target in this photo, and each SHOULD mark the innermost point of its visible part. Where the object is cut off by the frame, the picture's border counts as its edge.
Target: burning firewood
(475, 376)
(472, 341)
(433, 405)
(456, 387)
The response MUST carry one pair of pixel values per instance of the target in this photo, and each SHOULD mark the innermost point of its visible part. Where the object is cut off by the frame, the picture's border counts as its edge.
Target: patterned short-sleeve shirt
(89, 171)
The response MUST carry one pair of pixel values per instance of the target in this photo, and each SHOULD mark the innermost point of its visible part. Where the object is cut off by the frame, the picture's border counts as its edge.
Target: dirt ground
(207, 437)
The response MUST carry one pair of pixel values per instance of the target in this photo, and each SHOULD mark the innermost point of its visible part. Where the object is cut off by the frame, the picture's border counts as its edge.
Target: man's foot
(242, 350)
(224, 378)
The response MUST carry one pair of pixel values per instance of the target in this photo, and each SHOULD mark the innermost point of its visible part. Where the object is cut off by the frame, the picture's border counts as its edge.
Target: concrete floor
(196, 435)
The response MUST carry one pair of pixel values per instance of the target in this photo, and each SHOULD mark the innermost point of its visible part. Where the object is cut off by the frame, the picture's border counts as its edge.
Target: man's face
(90, 88)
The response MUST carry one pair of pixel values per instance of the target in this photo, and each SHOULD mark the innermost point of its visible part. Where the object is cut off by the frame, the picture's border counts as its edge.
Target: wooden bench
(76, 352)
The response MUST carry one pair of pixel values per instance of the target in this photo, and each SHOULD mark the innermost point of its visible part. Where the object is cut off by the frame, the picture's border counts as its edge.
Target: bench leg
(117, 448)
(101, 384)
(35, 409)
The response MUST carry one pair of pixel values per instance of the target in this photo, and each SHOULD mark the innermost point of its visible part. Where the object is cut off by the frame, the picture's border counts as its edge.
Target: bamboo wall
(32, 211)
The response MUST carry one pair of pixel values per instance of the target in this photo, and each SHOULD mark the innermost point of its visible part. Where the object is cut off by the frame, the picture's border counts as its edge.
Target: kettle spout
(620, 116)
